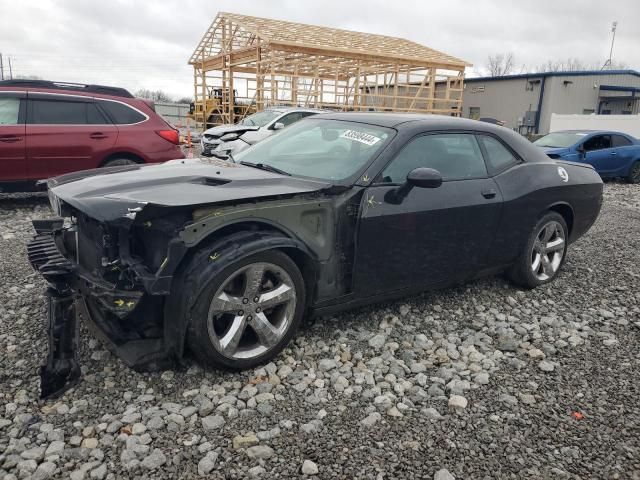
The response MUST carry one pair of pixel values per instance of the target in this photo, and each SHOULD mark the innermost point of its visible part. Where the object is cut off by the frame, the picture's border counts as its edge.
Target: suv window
(63, 112)
(498, 156)
(121, 114)
(620, 141)
(456, 156)
(56, 112)
(9, 110)
(598, 142)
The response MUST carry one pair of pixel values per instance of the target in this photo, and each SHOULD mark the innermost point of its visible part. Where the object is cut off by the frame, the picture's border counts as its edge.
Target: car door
(65, 133)
(624, 151)
(598, 152)
(433, 235)
(12, 137)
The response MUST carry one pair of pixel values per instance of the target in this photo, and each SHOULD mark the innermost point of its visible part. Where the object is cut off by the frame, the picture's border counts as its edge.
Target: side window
(9, 111)
(95, 116)
(121, 114)
(456, 156)
(620, 141)
(498, 156)
(57, 112)
(290, 118)
(598, 142)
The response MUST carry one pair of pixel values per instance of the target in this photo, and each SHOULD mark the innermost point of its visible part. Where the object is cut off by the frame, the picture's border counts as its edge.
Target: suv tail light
(170, 136)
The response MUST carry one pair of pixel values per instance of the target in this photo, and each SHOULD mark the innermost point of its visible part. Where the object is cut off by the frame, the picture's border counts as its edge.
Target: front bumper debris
(61, 370)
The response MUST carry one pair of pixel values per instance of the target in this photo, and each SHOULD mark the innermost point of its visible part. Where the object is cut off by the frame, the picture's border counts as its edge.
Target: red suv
(51, 128)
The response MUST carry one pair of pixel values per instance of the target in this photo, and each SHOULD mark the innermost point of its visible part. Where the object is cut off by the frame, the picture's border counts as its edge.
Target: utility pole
(614, 25)
(10, 70)
(1, 68)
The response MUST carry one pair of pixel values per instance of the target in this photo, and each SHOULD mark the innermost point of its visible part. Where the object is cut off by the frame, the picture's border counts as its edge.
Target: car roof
(426, 121)
(590, 132)
(295, 109)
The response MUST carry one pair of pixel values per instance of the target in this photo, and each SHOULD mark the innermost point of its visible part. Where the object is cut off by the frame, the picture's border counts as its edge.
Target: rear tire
(544, 253)
(119, 162)
(236, 323)
(634, 173)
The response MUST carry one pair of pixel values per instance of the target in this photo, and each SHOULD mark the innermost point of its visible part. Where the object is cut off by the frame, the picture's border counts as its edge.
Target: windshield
(559, 140)
(324, 149)
(260, 119)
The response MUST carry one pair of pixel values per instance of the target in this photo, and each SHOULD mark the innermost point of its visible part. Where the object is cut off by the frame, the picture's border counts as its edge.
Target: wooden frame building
(249, 63)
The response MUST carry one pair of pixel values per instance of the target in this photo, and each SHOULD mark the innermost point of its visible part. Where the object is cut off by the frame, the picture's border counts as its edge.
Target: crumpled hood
(111, 193)
(220, 130)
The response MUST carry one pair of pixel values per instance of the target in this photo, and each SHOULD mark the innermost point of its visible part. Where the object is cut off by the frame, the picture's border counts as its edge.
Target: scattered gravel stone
(546, 366)
(457, 402)
(207, 464)
(260, 451)
(245, 441)
(309, 468)
(377, 341)
(213, 422)
(443, 474)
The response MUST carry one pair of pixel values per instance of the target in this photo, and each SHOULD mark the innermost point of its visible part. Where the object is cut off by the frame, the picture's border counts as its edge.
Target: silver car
(236, 137)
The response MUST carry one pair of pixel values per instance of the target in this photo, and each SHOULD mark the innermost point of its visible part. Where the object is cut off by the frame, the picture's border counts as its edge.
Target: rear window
(620, 141)
(121, 113)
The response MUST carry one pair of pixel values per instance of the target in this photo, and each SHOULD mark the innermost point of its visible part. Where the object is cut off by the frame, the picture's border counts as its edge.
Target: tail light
(170, 136)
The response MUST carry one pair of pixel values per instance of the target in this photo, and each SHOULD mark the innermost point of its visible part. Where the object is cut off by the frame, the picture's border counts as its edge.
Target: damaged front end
(100, 273)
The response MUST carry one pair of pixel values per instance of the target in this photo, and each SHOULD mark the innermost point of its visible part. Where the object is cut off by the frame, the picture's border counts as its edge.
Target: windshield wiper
(264, 166)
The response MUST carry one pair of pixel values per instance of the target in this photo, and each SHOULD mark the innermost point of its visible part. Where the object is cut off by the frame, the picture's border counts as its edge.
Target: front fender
(212, 259)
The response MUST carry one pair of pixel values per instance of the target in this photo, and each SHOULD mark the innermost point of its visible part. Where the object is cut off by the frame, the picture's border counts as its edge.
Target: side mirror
(418, 177)
(278, 126)
(424, 178)
(581, 150)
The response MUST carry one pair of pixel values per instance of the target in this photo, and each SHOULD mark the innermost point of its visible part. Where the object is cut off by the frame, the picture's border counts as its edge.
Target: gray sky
(147, 44)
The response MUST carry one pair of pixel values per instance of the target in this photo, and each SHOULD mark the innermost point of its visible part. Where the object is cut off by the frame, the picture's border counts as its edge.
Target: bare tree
(155, 95)
(184, 100)
(574, 65)
(500, 64)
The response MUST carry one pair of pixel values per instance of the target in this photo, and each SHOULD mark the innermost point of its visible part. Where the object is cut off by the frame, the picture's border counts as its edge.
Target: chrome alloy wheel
(548, 250)
(252, 310)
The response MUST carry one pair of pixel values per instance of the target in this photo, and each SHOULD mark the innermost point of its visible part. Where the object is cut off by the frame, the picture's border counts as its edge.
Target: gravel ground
(479, 381)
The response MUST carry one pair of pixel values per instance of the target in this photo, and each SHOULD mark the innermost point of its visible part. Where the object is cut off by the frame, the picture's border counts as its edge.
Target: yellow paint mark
(164, 262)
(365, 178)
(147, 224)
(115, 268)
(119, 302)
(214, 257)
(218, 213)
(130, 304)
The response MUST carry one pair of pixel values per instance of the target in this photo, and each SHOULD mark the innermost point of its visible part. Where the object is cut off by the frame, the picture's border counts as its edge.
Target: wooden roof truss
(263, 62)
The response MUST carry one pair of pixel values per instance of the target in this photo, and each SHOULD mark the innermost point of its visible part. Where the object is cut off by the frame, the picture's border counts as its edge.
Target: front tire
(543, 254)
(634, 173)
(247, 313)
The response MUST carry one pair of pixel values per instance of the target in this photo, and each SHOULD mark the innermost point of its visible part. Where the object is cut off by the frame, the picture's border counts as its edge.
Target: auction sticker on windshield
(361, 137)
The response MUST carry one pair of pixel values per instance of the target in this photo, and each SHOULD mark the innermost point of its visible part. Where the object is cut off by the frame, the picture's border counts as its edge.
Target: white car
(236, 137)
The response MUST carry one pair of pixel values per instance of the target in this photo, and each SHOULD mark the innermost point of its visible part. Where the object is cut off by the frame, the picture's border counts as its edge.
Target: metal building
(243, 64)
(526, 102)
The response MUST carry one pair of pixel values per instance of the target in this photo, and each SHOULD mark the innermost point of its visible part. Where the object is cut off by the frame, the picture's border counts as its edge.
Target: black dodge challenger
(227, 256)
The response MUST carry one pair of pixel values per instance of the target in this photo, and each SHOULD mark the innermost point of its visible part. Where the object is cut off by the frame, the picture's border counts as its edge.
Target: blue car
(612, 154)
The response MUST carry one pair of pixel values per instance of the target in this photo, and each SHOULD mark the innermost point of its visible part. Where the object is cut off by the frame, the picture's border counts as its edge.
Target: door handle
(614, 153)
(489, 193)
(10, 139)
(97, 135)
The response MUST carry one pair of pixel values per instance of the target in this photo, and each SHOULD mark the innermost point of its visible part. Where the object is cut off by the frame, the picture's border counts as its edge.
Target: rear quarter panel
(531, 189)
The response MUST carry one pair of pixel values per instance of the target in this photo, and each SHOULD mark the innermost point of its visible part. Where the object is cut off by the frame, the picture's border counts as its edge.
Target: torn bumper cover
(75, 295)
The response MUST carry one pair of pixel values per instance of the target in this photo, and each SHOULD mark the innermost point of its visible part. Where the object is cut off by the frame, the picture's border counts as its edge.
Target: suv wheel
(248, 312)
(543, 254)
(119, 162)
